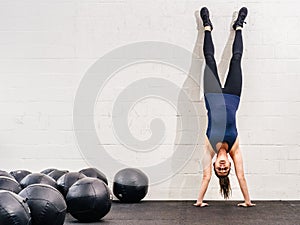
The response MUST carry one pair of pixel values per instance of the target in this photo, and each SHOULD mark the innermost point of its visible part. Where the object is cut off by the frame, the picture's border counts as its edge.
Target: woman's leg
(212, 83)
(233, 84)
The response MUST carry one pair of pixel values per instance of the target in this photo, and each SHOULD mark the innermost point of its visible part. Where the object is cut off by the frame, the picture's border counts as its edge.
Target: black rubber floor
(183, 212)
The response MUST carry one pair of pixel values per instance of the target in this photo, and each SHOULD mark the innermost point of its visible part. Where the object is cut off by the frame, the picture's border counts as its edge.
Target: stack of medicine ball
(45, 198)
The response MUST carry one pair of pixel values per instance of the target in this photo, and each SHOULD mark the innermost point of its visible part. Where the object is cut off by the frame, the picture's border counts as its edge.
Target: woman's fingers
(200, 204)
(244, 204)
(204, 204)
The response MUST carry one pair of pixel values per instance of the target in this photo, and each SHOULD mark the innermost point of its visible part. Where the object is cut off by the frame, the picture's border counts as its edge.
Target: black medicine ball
(19, 174)
(47, 205)
(37, 178)
(130, 185)
(5, 174)
(9, 184)
(67, 180)
(46, 171)
(56, 174)
(13, 209)
(94, 172)
(89, 199)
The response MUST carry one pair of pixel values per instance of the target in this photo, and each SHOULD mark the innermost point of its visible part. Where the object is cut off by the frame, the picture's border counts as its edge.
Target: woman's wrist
(199, 200)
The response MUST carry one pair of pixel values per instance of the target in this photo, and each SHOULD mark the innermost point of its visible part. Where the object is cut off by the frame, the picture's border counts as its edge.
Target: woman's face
(222, 165)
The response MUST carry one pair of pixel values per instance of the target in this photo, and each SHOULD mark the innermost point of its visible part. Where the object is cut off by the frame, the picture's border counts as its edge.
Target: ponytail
(225, 188)
(224, 182)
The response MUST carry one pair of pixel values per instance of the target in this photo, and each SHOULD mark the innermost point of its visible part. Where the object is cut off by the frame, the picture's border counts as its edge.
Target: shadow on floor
(183, 212)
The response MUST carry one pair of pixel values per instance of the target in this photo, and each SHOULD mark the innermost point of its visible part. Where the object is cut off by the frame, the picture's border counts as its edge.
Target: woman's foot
(240, 19)
(204, 14)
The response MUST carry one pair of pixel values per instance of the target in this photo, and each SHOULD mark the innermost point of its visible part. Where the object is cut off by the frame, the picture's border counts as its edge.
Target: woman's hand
(246, 204)
(200, 204)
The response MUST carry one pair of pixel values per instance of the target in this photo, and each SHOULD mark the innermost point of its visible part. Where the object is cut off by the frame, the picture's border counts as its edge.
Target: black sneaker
(241, 18)
(204, 13)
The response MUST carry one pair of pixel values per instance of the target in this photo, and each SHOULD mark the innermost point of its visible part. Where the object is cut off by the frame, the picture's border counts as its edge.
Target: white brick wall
(46, 47)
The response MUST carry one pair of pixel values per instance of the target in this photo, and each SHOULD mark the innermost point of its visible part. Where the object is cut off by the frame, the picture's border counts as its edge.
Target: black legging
(233, 84)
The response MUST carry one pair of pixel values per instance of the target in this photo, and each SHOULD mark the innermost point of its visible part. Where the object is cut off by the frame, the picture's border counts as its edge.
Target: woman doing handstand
(222, 104)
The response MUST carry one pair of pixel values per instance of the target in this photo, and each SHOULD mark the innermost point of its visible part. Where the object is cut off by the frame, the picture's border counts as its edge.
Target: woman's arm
(239, 170)
(207, 171)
